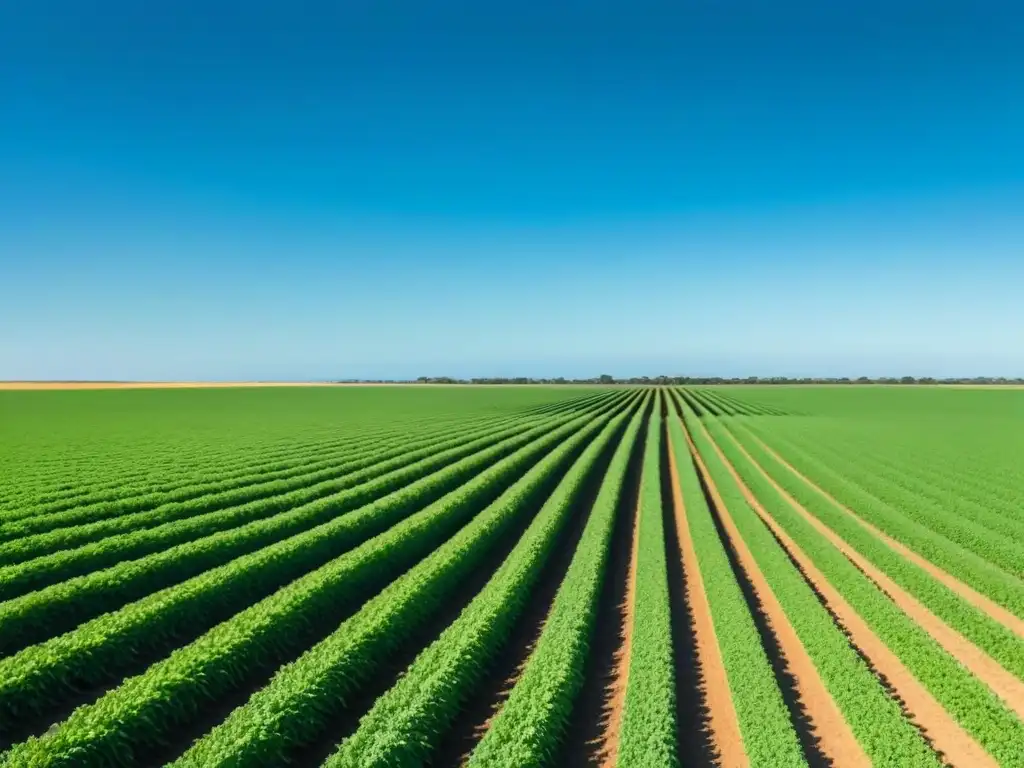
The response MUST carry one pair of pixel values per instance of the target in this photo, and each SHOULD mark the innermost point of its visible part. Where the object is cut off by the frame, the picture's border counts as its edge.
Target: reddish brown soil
(835, 738)
(694, 739)
(355, 706)
(609, 746)
(981, 665)
(978, 600)
(723, 723)
(495, 685)
(945, 734)
(585, 735)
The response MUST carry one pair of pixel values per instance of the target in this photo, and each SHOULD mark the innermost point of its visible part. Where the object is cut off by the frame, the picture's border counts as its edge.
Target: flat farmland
(512, 576)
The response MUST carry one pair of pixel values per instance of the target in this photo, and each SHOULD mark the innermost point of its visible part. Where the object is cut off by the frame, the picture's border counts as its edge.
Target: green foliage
(970, 702)
(647, 735)
(403, 726)
(71, 445)
(995, 639)
(952, 552)
(875, 718)
(43, 613)
(129, 535)
(38, 676)
(145, 709)
(529, 727)
(133, 507)
(768, 735)
(177, 549)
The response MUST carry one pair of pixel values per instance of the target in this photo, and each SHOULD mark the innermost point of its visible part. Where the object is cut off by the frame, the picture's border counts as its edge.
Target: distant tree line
(695, 380)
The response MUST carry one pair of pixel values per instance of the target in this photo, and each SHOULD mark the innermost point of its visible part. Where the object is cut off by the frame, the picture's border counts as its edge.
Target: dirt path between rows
(1004, 684)
(975, 598)
(584, 738)
(503, 672)
(835, 739)
(722, 720)
(608, 754)
(945, 734)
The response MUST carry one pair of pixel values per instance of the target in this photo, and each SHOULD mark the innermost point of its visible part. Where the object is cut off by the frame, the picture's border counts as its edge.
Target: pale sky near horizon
(222, 190)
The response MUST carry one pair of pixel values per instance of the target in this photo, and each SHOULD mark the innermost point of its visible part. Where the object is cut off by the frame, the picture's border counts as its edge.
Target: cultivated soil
(695, 744)
(494, 687)
(1004, 684)
(588, 721)
(722, 722)
(945, 734)
(785, 679)
(615, 703)
(975, 598)
(835, 739)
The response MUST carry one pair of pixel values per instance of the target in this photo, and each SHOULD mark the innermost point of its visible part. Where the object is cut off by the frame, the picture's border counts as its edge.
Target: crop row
(946, 553)
(171, 464)
(527, 731)
(875, 718)
(995, 639)
(39, 535)
(973, 705)
(132, 484)
(42, 614)
(144, 710)
(947, 480)
(647, 735)
(129, 491)
(764, 721)
(951, 450)
(157, 474)
(405, 724)
(36, 679)
(344, 493)
(1000, 548)
(723, 405)
(900, 485)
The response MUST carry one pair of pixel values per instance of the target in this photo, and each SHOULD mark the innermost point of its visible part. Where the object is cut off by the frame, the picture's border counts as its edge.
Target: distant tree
(700, 380)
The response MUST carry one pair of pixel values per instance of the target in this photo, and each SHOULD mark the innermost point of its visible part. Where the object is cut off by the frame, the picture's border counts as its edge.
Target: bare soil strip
(831, 731)
(723, 723)
(588, 722)
(1004, 684)
(493, 689)
(695, 743)
(350, 712)
(347, 713)
(608, 752)
(945, 734)
(985, 604)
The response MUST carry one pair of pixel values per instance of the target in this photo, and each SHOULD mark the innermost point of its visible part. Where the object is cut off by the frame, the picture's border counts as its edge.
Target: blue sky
(227, 190)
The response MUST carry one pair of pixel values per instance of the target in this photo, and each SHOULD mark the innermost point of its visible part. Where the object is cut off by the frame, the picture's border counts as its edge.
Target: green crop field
(512, 576)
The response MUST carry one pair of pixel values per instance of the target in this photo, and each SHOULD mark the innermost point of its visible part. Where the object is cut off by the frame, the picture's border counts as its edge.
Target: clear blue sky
(229, 190)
